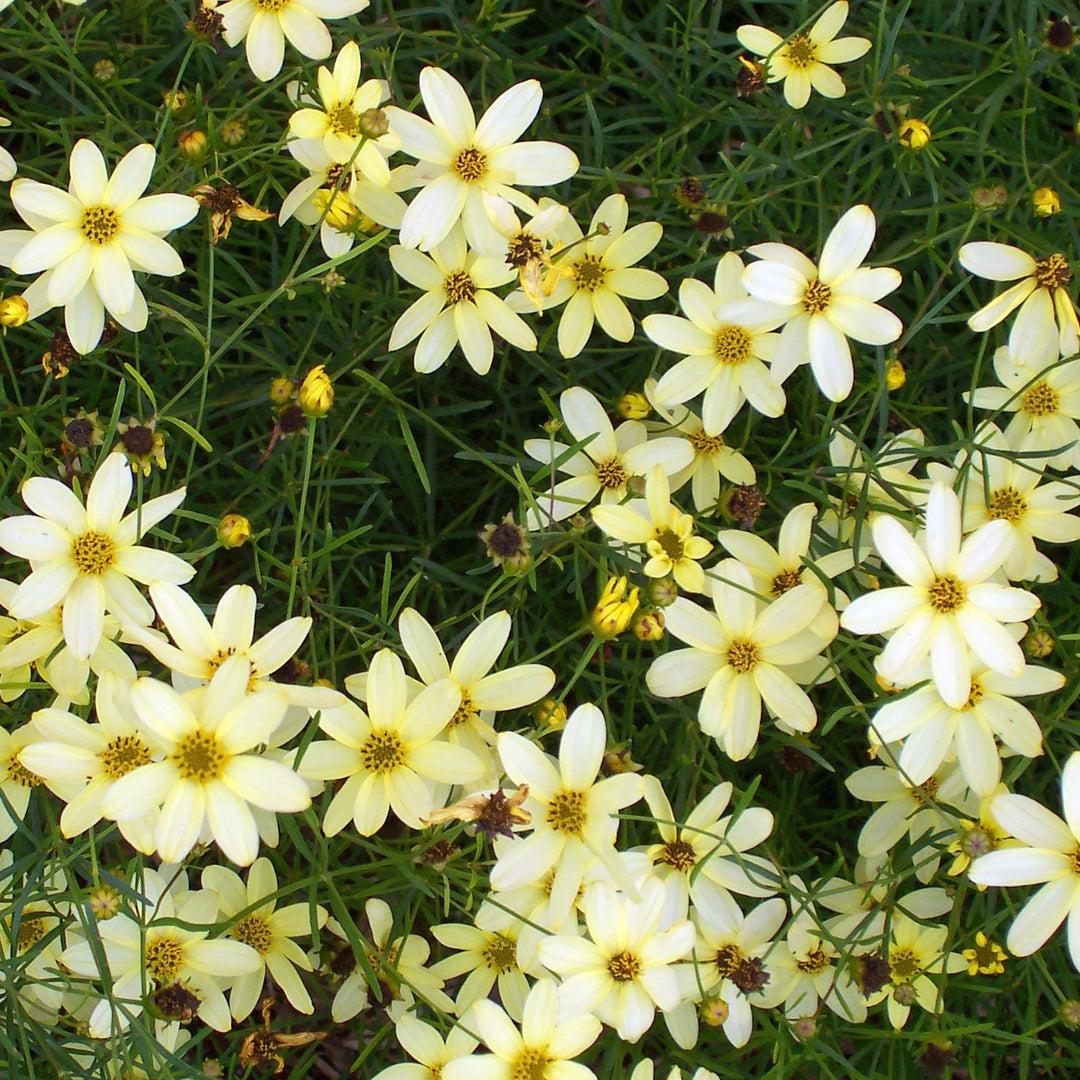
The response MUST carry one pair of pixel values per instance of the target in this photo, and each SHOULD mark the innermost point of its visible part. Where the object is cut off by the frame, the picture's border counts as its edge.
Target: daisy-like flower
(1049, 858)
(932, 729)
(269, 930)
(727, 344)
(595, 271)
(458, 306)
(486, 958)
(541, 1050)
(1043, 396)
(707, 852)
(85, 556)
(86, 242)
(211, 775)
(604, 460)
(528, 248)
(624, 973)
(151, 948)
(738, 655)
(80, 761)
(713, 459)
(265, 24)
(337, 118)
(947, 608)
(802, 60)
(917, 959)
(429, 1051)
(572, 811)
(665, 531)
(8, 168)
(1040, 289)
(828, 303)
(16, 780)
(390, 753)
(460, 158)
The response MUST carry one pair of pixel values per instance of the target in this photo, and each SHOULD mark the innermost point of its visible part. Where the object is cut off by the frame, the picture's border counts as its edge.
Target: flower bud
(649, 625)
(1045, 202)
(104, 71)
(104, 902)
(233, 531)
(1039, 644)
(14, 311)
(633, 406)
(193, 144)
(713, 1011)
(550, 714)
(337, 207)
(281, 390)
(232, 132)
(662, 592)
(175, 100)
(615, 609)
(895, 375)
(914, 134)
(373, 123)
(316, 393)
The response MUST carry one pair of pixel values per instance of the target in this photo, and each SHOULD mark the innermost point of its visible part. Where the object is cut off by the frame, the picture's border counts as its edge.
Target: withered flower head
(1060, 34)
(690, 193)
(60, 356)
(507, 540)
(207, 22)
(224, 203)
(873, 973)
(493, 814)
(745, 504)
(750, 976)
(750, 78)
(142, 445)
(83, 432)
(264, 1047)
(175, 1002)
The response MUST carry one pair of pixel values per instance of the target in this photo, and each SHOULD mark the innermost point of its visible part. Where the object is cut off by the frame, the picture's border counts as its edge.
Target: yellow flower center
(343, 120)
(706, 445)
(589, 273)
(1041, 400)
(611, 474)
(122, 754)
(785, 580)
(1007, 504)
(164, 959)
(1052, 272)
(566, 812)
(817, 298)
(800, 52)
(382, 752)
(500, 954)
(471, 164)
(732, 345)
(465, 713)
(272, 6)
(728, 958)
(31, 931)
(99, 224)
(678, 854)
(530, 1065)
(975, 695)
(523, 249)
(743, 656)
(904, 965)
(199, 757)
(93, 553)
(21, 775)
(814, 962)
(254, 931)
(1075, 860)
(459, 287)
(671, 545)
(624, 966)
(946, 594)
(926, 792)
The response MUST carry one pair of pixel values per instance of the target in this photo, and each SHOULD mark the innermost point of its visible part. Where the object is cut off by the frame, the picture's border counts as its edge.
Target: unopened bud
(550, 714)
(1045, 202)
(633, 406)
(1039, 644)
(233, 531)
(281, 390)
(14, 311)
(914, 134)
(615, 609)
(895, 375)
(193, 144)
(104, 71)
(316, 393)
(649, 625)
(373, 123)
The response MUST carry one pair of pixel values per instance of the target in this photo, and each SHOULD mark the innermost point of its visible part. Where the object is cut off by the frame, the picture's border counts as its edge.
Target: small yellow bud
(895, 375)
(373, 123)
(649, 625)
(104, 902)
(233, 531)
(338, 208)
(281, 391)
(615, 609)
(232, 132)
(1069, 1011)
(990, 198)
(713, 1011)
(617, 760)
(662, 592)
(914, 134)
(14, 311)
(633, 406)
(175, 100)
(550, 714)
(193, 144)
(805, 1028)
(316, 393)
(1045, 202)
(1039, 644)
(104, 71)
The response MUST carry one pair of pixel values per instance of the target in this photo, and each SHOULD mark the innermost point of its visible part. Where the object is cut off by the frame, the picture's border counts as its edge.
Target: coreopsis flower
(707, 852)
(603, 459)
(727, 344)
(269, 930)
(85, 557)
(430, 1052)
(86, 242)
(917, 959)
(80, 761)
(1042, 395)
(338, 117)
(528, 247)
(151, 945)
(933, 730)
(485, 958)
(541, 1050)
(459, 159)
(1049, 858)
(212, 774)
(265, 24)
(802, 60)
(16, 780)
(389, 754)
(666, 533)
(458, 306)
(572, 811)
(976, 838)
(737, 653)
(8, 168)
(713, 459)
(623, 973)
(828, 303)
(985, 957)
(595, 271)
(1040, 288)
(946, 607)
